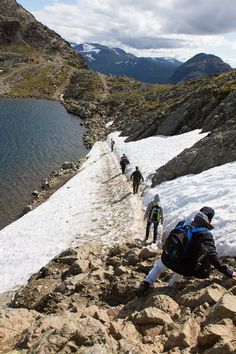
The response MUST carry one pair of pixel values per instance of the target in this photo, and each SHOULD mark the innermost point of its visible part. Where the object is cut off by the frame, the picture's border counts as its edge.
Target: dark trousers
(123, 169)
(155, 228)
(135, 187)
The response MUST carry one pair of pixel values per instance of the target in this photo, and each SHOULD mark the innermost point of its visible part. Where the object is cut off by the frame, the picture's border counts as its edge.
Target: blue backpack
(178, 242)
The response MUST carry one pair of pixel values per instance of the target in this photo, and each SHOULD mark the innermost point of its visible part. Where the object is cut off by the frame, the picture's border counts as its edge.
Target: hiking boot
(143, 289)
(174, 289)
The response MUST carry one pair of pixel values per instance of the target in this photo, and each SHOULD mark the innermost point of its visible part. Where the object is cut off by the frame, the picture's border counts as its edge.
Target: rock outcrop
(84, 301)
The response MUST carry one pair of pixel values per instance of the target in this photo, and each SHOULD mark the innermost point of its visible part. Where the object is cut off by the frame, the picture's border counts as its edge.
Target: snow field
(184, 196)
(97, 204)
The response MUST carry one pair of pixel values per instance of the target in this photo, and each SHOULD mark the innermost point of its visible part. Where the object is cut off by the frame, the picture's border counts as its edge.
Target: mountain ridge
(200, 65)
(116, 61)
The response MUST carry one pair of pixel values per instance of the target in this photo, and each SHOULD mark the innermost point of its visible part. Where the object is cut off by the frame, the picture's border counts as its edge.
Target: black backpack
(177, 244)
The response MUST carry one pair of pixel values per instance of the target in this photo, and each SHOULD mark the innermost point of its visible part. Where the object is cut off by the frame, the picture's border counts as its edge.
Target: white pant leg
(176, 278)
(155, 272)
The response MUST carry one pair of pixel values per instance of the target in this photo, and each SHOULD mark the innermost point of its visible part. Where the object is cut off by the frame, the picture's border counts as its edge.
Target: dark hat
(209, 212)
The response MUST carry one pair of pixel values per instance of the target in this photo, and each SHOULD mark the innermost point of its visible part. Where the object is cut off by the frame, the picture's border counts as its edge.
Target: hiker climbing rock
(154, 216)
(124, 161)
(136, 177)
(189, 251)
(112, 144)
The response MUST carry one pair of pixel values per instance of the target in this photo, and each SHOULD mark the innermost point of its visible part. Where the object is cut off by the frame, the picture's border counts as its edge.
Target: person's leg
(133, 187)
(155, 228)
(155, 272)
(147, 230)
(176, 278)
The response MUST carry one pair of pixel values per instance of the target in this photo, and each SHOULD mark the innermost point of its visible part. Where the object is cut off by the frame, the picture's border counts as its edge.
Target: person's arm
(162, 216)
(212, 257)
(131, 177)
(216, 263)
(142, 177)
(147, 211)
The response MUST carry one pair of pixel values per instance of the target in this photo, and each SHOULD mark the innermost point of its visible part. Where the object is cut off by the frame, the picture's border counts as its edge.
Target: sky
(155, 28)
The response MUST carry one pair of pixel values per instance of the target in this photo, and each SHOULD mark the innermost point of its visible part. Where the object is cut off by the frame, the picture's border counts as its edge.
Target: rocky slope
(140, 111)
(200, 65)
(84, 301)
(34, 60)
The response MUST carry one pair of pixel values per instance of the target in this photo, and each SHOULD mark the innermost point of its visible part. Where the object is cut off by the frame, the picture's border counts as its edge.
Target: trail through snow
(96, 204)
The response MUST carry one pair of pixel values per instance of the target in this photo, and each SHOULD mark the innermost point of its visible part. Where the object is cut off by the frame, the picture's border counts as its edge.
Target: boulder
(224, 308)
(164, 303)
(210, 294)
(222, 348)
(150, 316)
(183, 335)
(147, 253)
(120, 329)
(79, 266)
(13, 322)
(67, 165)
(122, 270)
(213, 333)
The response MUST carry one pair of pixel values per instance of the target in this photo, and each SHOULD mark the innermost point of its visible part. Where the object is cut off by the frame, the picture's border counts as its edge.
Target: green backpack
(155, 213)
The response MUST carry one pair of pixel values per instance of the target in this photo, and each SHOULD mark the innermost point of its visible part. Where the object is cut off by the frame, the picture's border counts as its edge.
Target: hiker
(189, 251)
(123, 163)
(136, 177)
(112, 144)
(154, 215)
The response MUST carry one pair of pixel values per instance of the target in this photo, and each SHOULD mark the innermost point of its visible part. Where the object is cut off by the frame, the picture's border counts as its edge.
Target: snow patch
(154, 152)
(88, 48)
(90, 57)
(109, 124)
(184, 196)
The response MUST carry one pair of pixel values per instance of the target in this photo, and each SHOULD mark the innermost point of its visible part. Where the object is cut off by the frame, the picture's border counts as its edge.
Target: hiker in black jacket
(123, 163)
(136, 177)
(112, 144)
(201, 256)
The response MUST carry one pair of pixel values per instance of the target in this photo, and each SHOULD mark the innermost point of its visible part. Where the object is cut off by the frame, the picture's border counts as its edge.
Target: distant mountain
(200, 65)
(116, 61)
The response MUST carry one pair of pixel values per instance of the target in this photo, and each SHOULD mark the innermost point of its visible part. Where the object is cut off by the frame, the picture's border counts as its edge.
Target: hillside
(34, 60)
(200, 65)
(140, 111)
(116, 61)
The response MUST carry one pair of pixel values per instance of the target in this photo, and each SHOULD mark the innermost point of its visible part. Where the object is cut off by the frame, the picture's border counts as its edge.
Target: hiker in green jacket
(154, 216)
(136, 177)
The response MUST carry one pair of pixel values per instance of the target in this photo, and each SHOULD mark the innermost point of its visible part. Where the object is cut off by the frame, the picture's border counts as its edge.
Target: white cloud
(180, 28)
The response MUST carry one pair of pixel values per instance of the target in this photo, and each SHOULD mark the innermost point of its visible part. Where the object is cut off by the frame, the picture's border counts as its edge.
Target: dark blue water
(36, 137)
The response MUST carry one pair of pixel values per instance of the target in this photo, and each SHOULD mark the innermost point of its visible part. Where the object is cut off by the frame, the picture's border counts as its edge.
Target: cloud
(152, 43)
(200, 17)
(182, 26)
